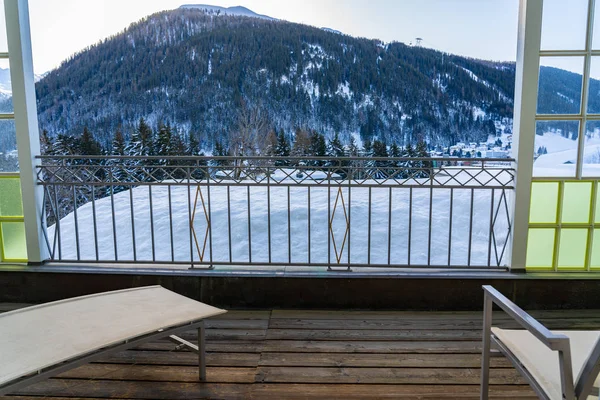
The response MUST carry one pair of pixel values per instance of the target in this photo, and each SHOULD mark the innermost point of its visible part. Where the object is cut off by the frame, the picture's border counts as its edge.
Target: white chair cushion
(541, 362)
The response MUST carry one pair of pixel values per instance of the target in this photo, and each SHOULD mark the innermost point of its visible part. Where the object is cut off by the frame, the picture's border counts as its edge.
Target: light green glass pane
(540, 248)
(13, 238)
(595, 259)
(576, 202)
(597, 218)
(571, 254)
(11, 204)
(544, 202)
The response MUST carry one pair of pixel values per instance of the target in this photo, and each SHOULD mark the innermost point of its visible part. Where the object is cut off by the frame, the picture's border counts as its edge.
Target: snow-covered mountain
(5, 83)
(5, 87)
(331, 30)
(197, 72)
(235, 11)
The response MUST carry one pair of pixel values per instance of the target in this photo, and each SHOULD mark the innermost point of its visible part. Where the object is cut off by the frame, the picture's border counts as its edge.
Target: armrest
(551, 340)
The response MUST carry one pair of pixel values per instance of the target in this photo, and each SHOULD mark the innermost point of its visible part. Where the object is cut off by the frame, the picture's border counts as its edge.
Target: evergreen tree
(423, 168)
(118, 144)
(193, 145)
(141, 142)
(318, 148)
(368, 148)
(336, 148)
(282, 150)
(162, 145)
(87, 145)
(46, 143)
(379, 168)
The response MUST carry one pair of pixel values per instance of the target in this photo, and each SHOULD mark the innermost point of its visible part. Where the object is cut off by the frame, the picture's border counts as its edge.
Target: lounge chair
(547, 359)
(42, 341)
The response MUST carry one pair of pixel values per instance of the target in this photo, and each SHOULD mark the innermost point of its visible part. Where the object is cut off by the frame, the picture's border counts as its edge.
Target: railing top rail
(269, 158)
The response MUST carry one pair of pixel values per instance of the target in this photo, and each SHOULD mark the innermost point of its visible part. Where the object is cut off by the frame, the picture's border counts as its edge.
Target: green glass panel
(576, 202)
(598, 205)
(10, 198)
(540, 248)
(595, 259)
(13, 238)
(573, 243)
(544, 202)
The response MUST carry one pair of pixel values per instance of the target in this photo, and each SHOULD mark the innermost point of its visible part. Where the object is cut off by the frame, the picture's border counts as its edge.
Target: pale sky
(484, 29)
(478, 28)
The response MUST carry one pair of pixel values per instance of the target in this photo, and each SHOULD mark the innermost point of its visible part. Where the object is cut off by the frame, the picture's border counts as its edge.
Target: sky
(484, 29)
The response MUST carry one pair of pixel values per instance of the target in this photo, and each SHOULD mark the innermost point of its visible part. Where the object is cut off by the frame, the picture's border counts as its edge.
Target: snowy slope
(279, 225)
(238, 10)
(562, 155)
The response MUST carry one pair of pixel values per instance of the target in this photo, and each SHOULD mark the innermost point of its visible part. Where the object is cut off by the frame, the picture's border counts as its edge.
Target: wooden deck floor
(312, 354)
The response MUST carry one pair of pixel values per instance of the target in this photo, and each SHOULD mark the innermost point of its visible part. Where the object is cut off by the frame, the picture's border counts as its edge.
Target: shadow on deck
(313, 354)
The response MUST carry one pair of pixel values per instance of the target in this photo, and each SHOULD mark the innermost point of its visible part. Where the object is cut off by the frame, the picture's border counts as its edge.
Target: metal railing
(295, 211)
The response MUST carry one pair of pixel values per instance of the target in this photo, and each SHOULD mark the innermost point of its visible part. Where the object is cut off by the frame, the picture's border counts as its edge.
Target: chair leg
(485, 352)
(202, 353)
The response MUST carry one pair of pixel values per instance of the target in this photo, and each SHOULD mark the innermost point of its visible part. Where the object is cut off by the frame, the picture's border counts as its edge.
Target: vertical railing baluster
(471, 227)
(95, 222)
(410, 206)
(152, 241)
(76, 223)
(430, 221)
(369, 228)
(190, 213)
(350, 172)
(450, 227)
(171, 223)
(269, 214)
(309, 241)
(329, 221)
(389, 257)
(57, 216)
(489, 263)
(132, 223)
(209, 222)
(289, 220)
(112, 208)
(249, 226)
(229, 222)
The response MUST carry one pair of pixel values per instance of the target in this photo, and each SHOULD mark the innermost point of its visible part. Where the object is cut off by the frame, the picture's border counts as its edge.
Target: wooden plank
(182, 358)
(373, 334)
(227, 334)
(316, 346)
(236, 323)
(244, 314)
(224, 346)
(159, 373)
(432, 323)
(184, 391)
(408, 392)
(397, 376)
(108, 389)
(378, 360)
(447, 315)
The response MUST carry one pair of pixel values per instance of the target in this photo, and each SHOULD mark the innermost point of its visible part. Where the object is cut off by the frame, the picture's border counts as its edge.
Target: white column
(26, 123)
(526, 88)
